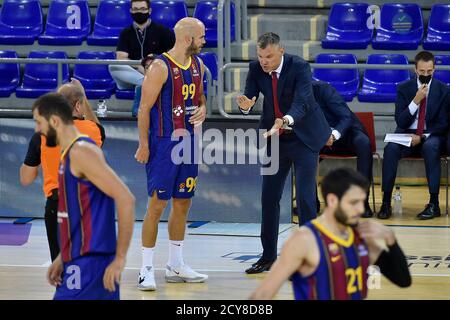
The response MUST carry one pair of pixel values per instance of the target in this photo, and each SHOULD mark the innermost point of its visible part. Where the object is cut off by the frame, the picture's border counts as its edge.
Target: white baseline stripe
(201, 270)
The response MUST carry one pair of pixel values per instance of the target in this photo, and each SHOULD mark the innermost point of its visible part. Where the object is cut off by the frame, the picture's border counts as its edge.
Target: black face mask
(140, 18)
(424, 79)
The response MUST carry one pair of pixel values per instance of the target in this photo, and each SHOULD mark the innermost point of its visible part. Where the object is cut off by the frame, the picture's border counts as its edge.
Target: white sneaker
(146, 281)
(184, 273)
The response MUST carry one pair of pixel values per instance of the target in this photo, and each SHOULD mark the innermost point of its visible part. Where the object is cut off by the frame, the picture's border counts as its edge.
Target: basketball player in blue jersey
(172, 104)
(91, 260)
(328, 257)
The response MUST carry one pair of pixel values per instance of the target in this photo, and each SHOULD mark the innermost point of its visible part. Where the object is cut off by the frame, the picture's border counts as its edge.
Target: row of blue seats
(39, 79)
(21, 21)
(378, 85)
(400, 27)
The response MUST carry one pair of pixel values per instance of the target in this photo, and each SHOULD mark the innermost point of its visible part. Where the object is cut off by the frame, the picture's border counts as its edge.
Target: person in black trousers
(420, 110)
(348, 135)
(289, 109)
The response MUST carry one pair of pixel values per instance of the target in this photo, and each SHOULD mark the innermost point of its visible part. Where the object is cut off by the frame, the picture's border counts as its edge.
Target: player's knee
(181, 204)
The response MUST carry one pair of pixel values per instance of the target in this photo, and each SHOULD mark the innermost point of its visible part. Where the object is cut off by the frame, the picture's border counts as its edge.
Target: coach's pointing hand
(245, 103)
(142, 154)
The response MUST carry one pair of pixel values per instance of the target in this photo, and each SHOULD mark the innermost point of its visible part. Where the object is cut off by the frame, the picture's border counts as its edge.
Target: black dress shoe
(260, 266)
(368, 213)
(431, 211)
(385, 211)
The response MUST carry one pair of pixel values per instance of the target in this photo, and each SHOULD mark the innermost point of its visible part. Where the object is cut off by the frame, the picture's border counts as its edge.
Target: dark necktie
(278, 113)
(421, 122)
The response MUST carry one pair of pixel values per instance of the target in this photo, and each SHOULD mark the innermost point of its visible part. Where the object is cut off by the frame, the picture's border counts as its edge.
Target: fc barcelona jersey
(86, 215)
(178, 98)
(342, 270)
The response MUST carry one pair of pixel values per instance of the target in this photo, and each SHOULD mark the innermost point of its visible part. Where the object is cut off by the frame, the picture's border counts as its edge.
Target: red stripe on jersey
(328, 262)
(178, 107)
(364, 260)
(161, 120)
(86, 217)
(196, 77)
(312, 289)
(64, 223)
(337, 263)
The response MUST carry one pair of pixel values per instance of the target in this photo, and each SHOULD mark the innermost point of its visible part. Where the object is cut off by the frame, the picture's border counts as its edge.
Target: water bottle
(397, 201)
(101, 109)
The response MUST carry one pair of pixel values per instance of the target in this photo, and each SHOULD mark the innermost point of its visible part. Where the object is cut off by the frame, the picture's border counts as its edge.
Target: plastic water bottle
(397, 201)
(101, 109)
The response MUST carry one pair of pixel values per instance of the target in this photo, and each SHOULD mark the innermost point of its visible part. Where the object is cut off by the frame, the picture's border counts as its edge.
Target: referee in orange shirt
(44, 152)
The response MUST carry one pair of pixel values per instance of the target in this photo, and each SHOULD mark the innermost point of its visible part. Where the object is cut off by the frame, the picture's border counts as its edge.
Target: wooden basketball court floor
(224, 259)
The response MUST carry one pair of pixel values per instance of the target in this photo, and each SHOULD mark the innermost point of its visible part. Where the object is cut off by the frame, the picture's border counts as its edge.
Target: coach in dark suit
(293, 106)
(348, 135)
(421, 111)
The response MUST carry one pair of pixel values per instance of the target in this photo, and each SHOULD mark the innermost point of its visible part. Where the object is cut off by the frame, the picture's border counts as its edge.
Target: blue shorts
(172, 177)
(83, 279)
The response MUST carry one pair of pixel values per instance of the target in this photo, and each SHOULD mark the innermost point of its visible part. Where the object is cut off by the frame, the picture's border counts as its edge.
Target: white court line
(201, 270)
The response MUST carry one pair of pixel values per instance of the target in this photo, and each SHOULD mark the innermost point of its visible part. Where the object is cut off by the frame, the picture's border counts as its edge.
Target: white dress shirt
(289, 118)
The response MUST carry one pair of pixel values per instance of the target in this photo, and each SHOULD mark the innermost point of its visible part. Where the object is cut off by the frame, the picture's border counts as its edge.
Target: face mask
(424, 79)
(140, 18)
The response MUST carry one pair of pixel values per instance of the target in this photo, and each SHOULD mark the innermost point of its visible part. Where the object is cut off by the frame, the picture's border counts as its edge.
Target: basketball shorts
(82, 279)
(172, 169)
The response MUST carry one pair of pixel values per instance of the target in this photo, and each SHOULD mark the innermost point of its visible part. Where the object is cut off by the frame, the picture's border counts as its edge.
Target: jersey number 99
(188, 90)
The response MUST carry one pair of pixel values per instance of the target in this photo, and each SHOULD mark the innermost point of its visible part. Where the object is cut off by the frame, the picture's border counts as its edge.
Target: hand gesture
(245, 103)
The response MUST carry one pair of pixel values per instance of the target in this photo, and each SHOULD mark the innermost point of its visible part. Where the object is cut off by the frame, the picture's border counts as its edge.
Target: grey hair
(269, 38)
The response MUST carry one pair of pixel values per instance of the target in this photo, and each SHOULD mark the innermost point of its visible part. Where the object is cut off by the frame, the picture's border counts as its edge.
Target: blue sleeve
(303, 92)
(251, 86)
(337, 106)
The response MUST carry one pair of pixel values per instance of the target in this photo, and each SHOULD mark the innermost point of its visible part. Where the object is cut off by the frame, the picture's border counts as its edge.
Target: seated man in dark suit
(348, 135)
(420, 109)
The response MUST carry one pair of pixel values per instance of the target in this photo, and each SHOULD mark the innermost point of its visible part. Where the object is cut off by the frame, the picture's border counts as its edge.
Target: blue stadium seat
(111, 18)
(127, 94)
(345, 81)
(20, 21)
(206, 11)
(438, 37)
(211, 62)
(401, 27)
(95, 78)
(168, 13)
(442, 75)
(39, 79)
(381, 85)
(66, 24)
(347, 27)
(10, 74)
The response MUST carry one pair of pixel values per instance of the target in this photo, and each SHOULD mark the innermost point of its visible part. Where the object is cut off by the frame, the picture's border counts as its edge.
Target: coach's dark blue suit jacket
(295, 98)
(336, 111)
(436, 112)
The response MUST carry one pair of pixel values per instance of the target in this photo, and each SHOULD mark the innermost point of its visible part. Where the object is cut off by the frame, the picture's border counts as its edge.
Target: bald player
(43, 153)
(172, 100)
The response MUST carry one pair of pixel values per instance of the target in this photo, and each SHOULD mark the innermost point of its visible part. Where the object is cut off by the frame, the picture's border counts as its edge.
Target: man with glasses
(137, 41)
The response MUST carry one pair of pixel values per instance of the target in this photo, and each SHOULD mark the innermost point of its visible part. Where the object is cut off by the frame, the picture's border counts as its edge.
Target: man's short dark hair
(146, 1)
(339, 181)
(53, 104)
(267, 39)
(424, 56)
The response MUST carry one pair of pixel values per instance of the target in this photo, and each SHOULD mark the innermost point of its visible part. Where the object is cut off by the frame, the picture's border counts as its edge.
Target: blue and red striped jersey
(86, 215)
(178, 98)
(342, 270)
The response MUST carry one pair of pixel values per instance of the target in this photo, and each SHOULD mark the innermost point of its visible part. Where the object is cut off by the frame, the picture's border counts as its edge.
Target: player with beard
(172, 104)
(92, 258)
(328, 257)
